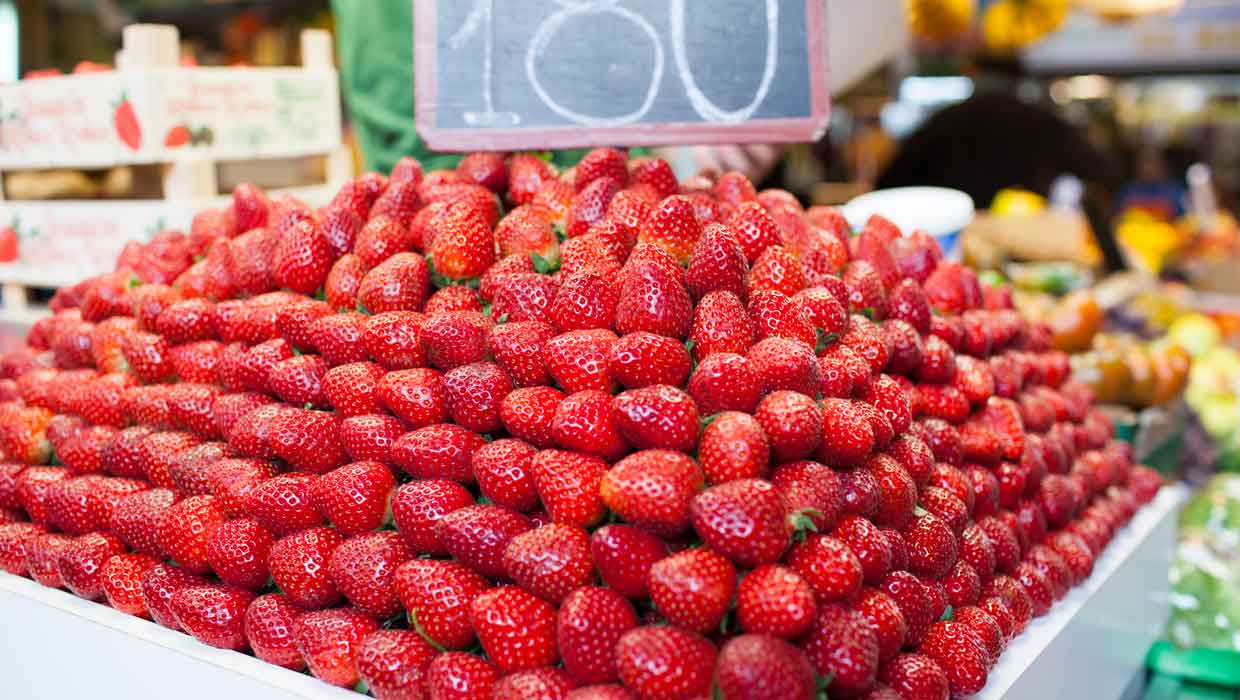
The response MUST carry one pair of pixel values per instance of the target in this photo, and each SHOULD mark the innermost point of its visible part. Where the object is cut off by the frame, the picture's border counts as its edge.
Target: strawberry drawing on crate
(125, 121)
(10, 236)
(178, 135)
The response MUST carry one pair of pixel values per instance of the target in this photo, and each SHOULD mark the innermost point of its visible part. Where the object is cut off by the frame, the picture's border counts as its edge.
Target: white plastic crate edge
(38, 638)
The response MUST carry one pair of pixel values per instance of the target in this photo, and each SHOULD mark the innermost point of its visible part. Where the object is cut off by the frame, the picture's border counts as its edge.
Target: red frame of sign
(798, 130)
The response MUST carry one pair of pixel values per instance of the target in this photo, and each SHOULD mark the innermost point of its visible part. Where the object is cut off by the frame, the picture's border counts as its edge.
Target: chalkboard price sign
(526, 74)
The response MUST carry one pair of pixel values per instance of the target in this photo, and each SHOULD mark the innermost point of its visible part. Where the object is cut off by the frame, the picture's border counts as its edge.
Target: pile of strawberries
(502, 432)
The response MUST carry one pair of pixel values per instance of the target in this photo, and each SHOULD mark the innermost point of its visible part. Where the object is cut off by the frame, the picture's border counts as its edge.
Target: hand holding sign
(571, 73)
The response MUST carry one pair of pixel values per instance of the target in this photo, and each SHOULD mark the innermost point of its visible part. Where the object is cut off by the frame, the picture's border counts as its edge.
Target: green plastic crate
(1219, 668)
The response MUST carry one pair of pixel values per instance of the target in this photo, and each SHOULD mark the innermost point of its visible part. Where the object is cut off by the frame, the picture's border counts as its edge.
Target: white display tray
(54, 645)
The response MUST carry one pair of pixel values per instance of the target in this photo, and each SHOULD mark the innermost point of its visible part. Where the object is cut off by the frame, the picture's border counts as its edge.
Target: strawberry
(190, 406)
(213, 614)
(197, 362)
(529, 414)
(584, 423)
(950, 288)
(380, 238)
(958, 651)
(343, 280)
(828, 565)
(1003, 541)
(13, 539)
(184, 529)
(354, 498)
(589, 625)
(516, 629)
(399, 283)
(526, 173)
(577, 360)
(656, 173)
(752, 501)
(624, 556)
(394, 663)
(186, 321)
(1014, 597)
(43, 557)
(337, 337)
(824, 312)
(484, 168)
(908, 303)
(437, 595)
(83, 452)
(641, 359)
(399, 202)
(251, 433)
(268, 625)
(810, 490)
(847, 435)
(339, 227)
(665, 662)
(418, 506)
(763, 668)
(477, 536)
(591, 253)
(720, 325)
(655, 300)
(945, 402)
(299, 566)
(589, 206)
(192, 467)
(441, 451)
(776, 270)
(652, 490)
(915, 677)
(775, 600)
(725, 382)
(658, 416)
(785, 364)
(938, 362)
(946, 506)
(121, 578)
(299, 380)
(868, 543)
(897, 493)
(733, 446)
(80, 561)
(984, 626)
(294, 322)
(453, 299)
(585, 300)
(524, 231)
(776, 315)
(517, 347)
(364, 567)
(307, 440)
(568, 486)
(148, 356)
(792, 424)
(502, 469)
(455, 338)
(754, 228)
(237, 552)
(256, 363)
(303, 257)
(550, 561)
(474, 393)
(33, 486)
(415, 395)
(460, 676)
(9, 473)
(866, 293)
(844, 647)
(673, 226)
(370, 437)
(463, 246)
(884, 617)
(328, 641)
(601, 162)
(717, 263)
(249, 207)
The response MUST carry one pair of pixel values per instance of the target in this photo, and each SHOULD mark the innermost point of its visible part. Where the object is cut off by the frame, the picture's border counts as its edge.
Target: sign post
(518, 74)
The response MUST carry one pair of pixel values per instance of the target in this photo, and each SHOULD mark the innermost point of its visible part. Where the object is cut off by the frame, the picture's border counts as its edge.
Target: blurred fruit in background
(1010, 25)
(940, 20)
(1123, 369)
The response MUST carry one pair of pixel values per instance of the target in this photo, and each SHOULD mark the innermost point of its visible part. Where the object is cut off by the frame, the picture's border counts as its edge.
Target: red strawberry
(754, 228)
(656, 173)
(343, 280)
(441, 451)
(364, 567)
(785, 364)
(228, 409)
(328, 640)
(453, 299)
(121, 577)
(502, 469)
(526, 173)
(455, 338)
(584, 423)
(776, 270)
(584, 301)
(463, 246)
(868, 543)
(237, 551)
(908, 302)
(757, 504)
(550, 561)
(299, 566)
(792, 424)
(399, 283)
(958, 651)
(931, 546)
(477, 536)
(884, 617)
(673, 226)
(302, 258)
(601, 162)
(733, 446)
(655, 300)
(847, 435)
(380, 238)
(395, 663)
(984, 626)
(720, 325)
(354, 498)
(83, 453)
(148, 356)
(13, 539)
(568, 486)
(938, 362)
(416, 395)
(214, 615)
(437, 595)
(298, 380)
(418, 506)
(394, 340)
(624, 556)
(529, 414)
(844, 647)
(775, 600)
(665, 662)
(775, 314)
(589, 206)
(474, 393)
(337, 337)
(197, 362)
(251, 433)
(80, 561)
(185, 528)
(268, 625)
(589, 625)
(578, 359)
(763, 668)
(516, 629)
(652, 489)
(810, 490)
(191, 408)
(518, 347)
(460, 676)
(191, 470)
(641, 359)
(717, 263)
(915, 677)
(658, 416)
(828, 565)
(249, 207)
(370, 438)
(307, 440)
(33, 486)
(43, 558)
(524, 231)
(725, 382)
